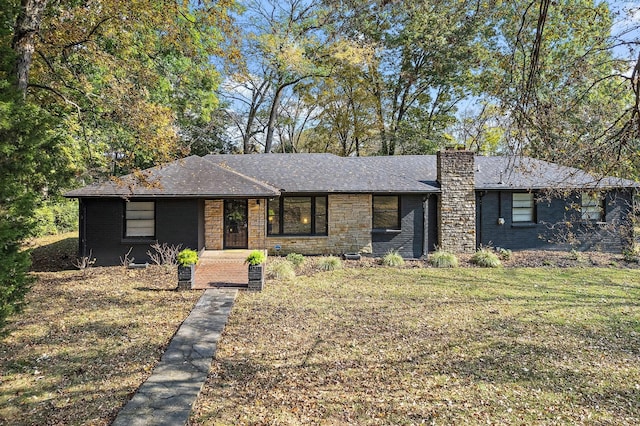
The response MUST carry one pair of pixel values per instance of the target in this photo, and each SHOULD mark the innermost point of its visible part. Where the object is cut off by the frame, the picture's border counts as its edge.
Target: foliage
(164, 254)
(280, 269)
(392, 259)
(133, 82)
(329, 263)
(505, 254)
(296, 259)
(256, 257)
(486, 258)
(577, 256)
(530, 346)
(30, 163)
(443, 259)
(632, 254)
(56, 217)
(187, 257)
(562, 85)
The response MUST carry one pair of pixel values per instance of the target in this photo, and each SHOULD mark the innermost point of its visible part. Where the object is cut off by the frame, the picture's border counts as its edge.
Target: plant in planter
(187, 260)
(256, 261)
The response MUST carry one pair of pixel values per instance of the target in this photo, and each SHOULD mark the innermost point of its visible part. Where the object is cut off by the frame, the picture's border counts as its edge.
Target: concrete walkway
(166, 398)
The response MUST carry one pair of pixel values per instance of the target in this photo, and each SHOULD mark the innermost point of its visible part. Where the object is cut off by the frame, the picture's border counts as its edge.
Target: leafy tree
(32, 161)
(560, 84)
(91, 88)
(132, 79)
(291, 47)
(427, 58)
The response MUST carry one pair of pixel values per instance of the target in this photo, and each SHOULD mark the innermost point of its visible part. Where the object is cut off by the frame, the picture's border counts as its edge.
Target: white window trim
(140, 219)
(523, 207)
(592, 207)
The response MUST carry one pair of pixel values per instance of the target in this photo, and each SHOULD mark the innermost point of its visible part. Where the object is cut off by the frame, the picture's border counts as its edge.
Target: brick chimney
(457, 206)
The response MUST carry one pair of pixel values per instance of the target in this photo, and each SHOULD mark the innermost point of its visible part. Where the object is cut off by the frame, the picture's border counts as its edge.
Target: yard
(86, 341)
(413, 346)
(368, 345)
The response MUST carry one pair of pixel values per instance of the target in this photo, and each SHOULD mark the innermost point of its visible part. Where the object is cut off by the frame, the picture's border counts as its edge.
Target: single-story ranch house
(324, 204)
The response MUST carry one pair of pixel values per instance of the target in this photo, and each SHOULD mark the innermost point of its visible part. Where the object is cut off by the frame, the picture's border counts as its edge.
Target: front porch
(222, 268)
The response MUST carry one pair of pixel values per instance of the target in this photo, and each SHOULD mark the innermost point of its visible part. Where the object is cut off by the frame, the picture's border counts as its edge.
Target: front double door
(236, 224)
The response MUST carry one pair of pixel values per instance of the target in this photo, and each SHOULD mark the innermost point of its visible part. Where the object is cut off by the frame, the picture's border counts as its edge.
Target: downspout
(425, 226)
(82, 249)
(481, 194)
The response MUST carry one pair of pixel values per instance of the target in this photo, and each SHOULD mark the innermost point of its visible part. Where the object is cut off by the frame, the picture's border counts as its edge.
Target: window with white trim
(522, 207)
(592, 206)
(140, 219)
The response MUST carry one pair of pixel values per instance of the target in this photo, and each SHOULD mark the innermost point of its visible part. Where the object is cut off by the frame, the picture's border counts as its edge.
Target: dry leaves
(86, 342)
(426, 346)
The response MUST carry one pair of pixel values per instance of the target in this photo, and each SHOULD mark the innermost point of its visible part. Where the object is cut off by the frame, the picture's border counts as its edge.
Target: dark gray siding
(409, 240)
(178, 221)
(558, 224)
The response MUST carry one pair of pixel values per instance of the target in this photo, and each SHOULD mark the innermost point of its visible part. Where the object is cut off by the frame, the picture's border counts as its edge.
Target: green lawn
(412, 346)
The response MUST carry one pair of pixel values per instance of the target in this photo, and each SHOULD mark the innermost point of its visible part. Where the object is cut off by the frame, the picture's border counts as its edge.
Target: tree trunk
(24, 39)
(271, 125)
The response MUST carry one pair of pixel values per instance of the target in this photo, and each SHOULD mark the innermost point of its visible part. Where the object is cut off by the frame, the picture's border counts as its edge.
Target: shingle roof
(527, 173)
(261, 175)
(313, 173)
(188, 177)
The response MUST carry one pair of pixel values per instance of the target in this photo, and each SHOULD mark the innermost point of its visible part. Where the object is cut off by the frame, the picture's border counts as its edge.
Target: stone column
(457, 206)
(213, 224)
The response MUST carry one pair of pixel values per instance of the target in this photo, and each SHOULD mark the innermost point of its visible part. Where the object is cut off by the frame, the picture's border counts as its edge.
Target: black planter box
(186, 275)
(256, 277)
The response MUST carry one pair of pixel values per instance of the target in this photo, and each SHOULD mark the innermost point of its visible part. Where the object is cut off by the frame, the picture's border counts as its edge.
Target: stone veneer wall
(257, 224)
(457, 207)
(349, 229)
(213, 224)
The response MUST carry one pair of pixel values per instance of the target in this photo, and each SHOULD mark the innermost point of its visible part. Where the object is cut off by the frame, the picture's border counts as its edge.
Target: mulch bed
(526, 259)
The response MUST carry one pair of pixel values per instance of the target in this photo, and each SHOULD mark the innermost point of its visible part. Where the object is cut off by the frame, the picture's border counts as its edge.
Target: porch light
(305, 220)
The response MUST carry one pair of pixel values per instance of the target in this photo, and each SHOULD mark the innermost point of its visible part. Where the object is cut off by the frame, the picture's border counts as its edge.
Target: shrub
(392, 259)
(56, 217)
(85, 262)
(329, 263)
(443, 259)
(165, 254)
(632, 254)
(486, 258)
(187, 257)
(256, 257)
(296, 259)
(280, 269)
(577, 256)
(505, 254)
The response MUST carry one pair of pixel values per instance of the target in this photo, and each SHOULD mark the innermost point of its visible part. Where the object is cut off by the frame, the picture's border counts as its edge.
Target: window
(297, 216)
(592, 206)
(522, 207)
(386, 212)
(140, 219)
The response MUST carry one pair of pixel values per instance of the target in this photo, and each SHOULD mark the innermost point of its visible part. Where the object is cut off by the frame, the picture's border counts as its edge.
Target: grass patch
(442, 346)
(392, 259)
(85, 341)
(486, 258)
(329, 263)
(280, 269)
(443, 259)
